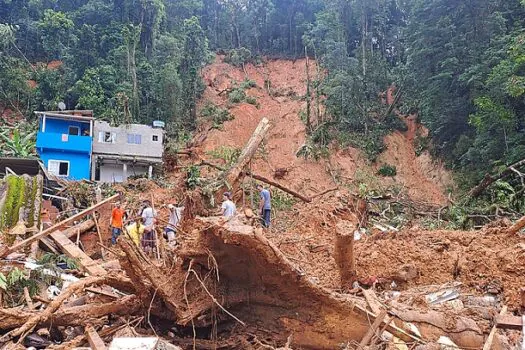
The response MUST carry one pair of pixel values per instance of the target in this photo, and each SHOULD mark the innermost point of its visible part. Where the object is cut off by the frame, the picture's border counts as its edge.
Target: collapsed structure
(230, 285)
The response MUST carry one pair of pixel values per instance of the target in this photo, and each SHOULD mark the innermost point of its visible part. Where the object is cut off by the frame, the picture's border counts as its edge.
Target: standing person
(173, 223)
(136, 230)
(117, 219)
(265, 205)
(228, 207)
(148, 218)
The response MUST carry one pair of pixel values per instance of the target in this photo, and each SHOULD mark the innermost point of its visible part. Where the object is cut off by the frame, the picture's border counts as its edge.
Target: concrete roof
(66, 116)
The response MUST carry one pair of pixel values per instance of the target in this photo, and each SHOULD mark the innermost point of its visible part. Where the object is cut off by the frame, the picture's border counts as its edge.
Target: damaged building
(126, 150)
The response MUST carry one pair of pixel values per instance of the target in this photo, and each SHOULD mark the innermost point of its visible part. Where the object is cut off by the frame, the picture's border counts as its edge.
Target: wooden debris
(43, 316)
(8, 250)
(518, 225)
(344, 253)
(489, 179)
(279, 186)
(248, 152)
(94, 340)
(490, 338)
(509, 322)
(28, 299)
(72, 250)
(372, 300)
(373, 328)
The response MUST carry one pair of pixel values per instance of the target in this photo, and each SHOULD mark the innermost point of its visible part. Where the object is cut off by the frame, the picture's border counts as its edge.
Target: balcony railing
(64, 142)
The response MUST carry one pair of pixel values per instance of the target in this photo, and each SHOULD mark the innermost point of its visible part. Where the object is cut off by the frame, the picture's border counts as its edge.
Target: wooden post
(344, 253)
(99, 235)
(8, 250)
(157, 242)
(94, 340)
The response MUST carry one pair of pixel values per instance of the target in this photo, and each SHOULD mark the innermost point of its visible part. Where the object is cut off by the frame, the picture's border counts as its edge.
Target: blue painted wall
(79, 163)
(75, 149)
(60, 126)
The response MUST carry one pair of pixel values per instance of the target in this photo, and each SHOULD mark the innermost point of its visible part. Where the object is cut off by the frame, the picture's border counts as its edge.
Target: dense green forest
(460, 64)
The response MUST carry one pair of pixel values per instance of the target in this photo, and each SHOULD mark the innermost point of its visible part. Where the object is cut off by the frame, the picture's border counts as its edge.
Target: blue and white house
(64, 143)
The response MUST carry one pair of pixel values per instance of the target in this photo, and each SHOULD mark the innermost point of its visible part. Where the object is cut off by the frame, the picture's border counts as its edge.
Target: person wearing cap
(173, 222)
(228, 207)
(117, 220)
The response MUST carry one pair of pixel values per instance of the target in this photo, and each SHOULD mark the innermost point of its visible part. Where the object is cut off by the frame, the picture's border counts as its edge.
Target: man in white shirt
(148, 218)
(228, 207)
(173, 223)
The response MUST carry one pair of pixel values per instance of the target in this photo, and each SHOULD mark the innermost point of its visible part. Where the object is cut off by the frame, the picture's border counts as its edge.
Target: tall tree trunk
(308, 94)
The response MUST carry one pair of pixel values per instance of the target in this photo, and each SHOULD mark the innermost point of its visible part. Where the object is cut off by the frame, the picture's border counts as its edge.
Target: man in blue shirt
(265, 205)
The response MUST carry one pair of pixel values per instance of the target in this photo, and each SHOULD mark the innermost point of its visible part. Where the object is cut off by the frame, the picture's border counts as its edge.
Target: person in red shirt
(117, 221)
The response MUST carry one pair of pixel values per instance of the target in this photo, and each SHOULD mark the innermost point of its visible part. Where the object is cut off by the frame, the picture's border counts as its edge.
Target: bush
(216, 114)
(387, 170)
(251, 100)
(238, 57)
(237, 95)
(228, 154)
(248, 84)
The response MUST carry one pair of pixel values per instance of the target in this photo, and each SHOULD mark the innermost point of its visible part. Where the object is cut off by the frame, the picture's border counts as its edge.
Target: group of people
(141, 228)
(265, 206)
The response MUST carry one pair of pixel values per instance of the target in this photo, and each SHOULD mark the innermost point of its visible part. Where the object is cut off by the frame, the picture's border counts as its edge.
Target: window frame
(155, 138)
(112, 137)
(134, 138)
(74, 127)
(59, 161)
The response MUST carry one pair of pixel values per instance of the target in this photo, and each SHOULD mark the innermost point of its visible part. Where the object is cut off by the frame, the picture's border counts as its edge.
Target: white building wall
(115, 173)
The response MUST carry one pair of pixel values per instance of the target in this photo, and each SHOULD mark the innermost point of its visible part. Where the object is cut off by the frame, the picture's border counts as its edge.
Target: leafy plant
(54, 259)
(237, 95)
(239, 57)
(193, 177)
(216, 114)
(247, 84)
(310, 150)
(228, 154)
(281, 200)
(387, 170)
(3, 282)
(18, 145)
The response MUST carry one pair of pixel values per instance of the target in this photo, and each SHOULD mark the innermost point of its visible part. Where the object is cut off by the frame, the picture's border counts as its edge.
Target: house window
(135, 139)
(74, 130)
(58, 167)
(155, 138)
(107, 137)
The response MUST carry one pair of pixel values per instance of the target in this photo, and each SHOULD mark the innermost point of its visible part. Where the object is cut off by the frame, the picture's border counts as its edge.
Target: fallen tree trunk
(72, 316)
(83, 227)
(248, 152)
(489, 179)
(44, 316)
(279, 186)
(518, 225)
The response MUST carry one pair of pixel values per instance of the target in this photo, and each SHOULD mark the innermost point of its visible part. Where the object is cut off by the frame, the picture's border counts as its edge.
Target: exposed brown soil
(422, 178)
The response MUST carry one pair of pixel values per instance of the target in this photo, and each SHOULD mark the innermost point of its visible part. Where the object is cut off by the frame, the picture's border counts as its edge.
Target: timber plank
(73, 251)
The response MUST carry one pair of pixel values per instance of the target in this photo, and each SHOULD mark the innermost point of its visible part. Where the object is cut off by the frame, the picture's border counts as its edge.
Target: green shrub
(387, 170)
(193, 177)
(248, 84)
(251, 100)
(237, 95)
(228, 154)
(238, 57)
(216, 114)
